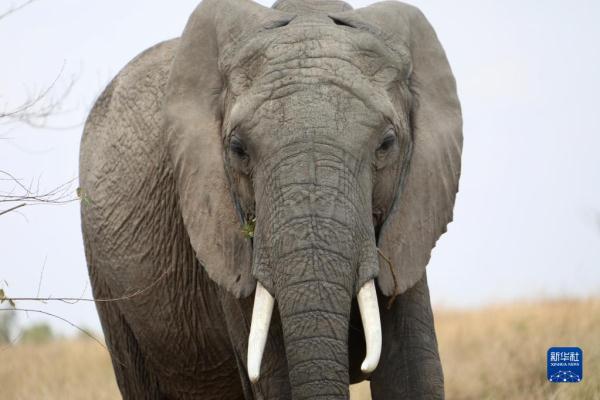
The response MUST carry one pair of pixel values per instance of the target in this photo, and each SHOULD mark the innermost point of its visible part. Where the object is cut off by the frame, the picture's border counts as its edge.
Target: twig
(59, 317)
(24, 108)
(15, 9)
(396, 291)
(26, 310)
(37, 108)
(31, 194)
(73, 300)
(12, 208)
(41, 276)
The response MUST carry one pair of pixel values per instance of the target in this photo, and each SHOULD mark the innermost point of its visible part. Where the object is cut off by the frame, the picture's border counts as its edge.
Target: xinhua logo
(565, 364)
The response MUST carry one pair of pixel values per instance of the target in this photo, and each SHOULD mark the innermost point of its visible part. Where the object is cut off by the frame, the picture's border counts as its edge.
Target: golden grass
(488, 354)
(77, 369)
(500, 352)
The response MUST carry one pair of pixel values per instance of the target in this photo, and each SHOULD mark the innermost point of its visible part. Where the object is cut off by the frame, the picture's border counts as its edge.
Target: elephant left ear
(193, 111)
(424, 204)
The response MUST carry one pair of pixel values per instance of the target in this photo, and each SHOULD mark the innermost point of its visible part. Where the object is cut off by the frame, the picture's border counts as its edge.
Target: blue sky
(527, 218)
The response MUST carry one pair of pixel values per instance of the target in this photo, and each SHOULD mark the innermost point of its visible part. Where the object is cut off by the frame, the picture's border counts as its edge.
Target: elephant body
(177, 316)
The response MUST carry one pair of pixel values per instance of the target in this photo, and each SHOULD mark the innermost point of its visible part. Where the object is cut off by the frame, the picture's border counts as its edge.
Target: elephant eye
(237, 147)
(389, 139)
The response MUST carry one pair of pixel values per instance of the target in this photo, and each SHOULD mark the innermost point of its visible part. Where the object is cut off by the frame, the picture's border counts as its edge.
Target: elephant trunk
(314, 250)
(315, 313)
(261, 319)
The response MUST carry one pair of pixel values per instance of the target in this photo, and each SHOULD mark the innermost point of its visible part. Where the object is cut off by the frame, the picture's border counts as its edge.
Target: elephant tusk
(369, 314)
(259, 329)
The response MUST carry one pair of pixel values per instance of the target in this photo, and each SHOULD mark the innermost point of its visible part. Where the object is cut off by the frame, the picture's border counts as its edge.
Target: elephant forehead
(307, 111)
(313, 53)
(310, 79)
(314, 109)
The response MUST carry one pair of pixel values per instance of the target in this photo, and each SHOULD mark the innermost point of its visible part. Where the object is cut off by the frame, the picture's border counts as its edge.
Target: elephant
(263, 194)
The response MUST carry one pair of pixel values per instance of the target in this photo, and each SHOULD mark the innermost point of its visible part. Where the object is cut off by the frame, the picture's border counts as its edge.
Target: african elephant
(308, 153)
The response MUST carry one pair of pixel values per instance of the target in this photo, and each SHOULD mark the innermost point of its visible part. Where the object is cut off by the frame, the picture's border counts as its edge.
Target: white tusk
(259, 329)
(369, 313)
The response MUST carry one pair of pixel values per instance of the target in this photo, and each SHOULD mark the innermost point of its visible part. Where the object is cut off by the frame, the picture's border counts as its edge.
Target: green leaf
(81, 195)
(248, 228)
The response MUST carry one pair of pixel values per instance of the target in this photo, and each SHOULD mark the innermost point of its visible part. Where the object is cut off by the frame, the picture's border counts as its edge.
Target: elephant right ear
(193, 118)
(423, 207)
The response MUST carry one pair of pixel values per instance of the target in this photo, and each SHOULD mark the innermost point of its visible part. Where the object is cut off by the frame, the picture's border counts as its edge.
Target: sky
(527, 216)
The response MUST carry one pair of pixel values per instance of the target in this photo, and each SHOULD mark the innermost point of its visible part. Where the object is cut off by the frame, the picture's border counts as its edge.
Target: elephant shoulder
(123, 160)
(127, 117)
(143, 78)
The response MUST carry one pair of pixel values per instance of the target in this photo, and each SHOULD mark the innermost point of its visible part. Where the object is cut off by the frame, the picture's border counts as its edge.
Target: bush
(38, 333)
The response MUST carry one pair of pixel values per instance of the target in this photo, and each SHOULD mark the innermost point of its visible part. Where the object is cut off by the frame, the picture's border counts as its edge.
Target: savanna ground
(493, 353)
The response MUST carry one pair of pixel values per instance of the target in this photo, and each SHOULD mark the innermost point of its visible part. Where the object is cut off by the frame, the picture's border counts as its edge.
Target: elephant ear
(193, 121)
(423, 207)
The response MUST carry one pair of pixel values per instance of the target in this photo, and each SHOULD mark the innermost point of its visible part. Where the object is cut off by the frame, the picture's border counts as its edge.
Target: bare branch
(34, 112)
(36, 99)
(37, 108)
(16, 191)
(14, 8)
(12, 208)
(28, 310)
(73, 300)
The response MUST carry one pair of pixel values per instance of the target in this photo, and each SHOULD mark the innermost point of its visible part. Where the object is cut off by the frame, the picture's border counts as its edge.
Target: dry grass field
(493, 353)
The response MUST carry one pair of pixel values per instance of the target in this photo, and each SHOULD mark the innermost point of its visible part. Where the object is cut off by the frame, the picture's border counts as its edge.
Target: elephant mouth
(261, 319)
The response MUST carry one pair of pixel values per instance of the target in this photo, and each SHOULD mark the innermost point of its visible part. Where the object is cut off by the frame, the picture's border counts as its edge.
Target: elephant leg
(410, 366)
(133, 378)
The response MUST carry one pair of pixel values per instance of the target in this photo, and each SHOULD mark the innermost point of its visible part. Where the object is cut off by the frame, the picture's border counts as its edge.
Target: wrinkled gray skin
(340, 131)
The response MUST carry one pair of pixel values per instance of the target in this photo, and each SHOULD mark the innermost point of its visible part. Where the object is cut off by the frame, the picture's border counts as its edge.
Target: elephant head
(338, 133)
